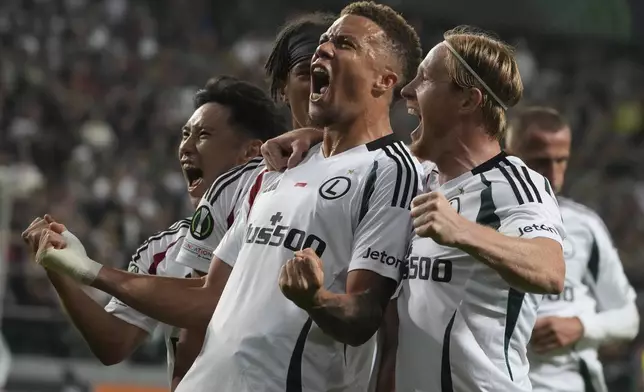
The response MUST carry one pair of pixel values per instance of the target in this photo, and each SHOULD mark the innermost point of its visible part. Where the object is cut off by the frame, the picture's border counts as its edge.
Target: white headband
(476, 76)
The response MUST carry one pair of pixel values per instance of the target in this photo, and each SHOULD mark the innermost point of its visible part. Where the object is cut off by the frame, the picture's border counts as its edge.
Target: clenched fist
(33, 234)
(552, 333)
(435, 218)
(301, 278)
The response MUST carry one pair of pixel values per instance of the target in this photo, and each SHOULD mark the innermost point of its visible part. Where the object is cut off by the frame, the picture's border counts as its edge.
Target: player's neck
(465, 150)
(366, 128)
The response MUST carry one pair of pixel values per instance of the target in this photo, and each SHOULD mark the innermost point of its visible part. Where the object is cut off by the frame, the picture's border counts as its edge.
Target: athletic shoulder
(158, 242)
(397, 168)
(234, 179)
(519, 184)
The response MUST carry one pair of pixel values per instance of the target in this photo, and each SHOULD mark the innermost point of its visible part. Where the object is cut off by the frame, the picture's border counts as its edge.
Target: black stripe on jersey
(398, 184)
(515, 301)
(487, 211)
(517, 175)
(382, 142)
(512, 184)
(404, 170)
(593, 261)
(294, 374)
(446, 367)
(414, 173)
(534, 187)
(174, 229)
(229, 177)
(548, 188)
(369, 187)
(408, 180)
(585, 375)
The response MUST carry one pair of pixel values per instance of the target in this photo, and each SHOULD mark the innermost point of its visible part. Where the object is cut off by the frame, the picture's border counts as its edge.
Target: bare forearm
(181, 302)
(110, 338)
(349, 318)
(526, 264)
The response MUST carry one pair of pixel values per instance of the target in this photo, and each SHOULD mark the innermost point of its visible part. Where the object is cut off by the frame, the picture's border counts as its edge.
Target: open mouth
(194, 175)
(320, 81)
(415, 134)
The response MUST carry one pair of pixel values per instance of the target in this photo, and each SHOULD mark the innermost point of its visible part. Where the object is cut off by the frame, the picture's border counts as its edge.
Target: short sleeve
(605, 274)
(534, 219)
(126, 313)
(231, 244)
(215, 214)
(384, 226)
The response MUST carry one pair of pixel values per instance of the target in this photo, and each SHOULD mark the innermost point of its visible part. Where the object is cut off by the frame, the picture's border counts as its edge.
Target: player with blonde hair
(488, 231)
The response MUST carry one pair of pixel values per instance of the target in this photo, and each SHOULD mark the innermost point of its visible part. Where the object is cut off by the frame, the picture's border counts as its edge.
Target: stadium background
(93, 94)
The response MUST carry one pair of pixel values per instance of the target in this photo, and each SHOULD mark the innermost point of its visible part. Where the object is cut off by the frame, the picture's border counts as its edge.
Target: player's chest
(328, 194)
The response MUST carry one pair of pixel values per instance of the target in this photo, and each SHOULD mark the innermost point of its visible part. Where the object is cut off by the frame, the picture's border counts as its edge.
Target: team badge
(335, 188)
(202, 223)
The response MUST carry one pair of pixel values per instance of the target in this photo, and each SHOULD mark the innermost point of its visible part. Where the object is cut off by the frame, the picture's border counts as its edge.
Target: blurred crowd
(93, 95)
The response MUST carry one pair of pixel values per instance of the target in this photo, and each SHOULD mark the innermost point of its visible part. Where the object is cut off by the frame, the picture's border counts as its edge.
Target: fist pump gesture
(302, 277)
(435, 218)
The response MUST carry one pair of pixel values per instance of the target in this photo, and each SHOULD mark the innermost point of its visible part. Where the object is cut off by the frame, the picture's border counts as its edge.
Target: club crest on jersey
(456, 204)
(335, 188)
(202, 223)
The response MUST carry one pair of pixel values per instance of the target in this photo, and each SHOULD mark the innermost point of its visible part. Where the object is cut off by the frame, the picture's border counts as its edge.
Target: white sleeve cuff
(593, 328)
(622, 323)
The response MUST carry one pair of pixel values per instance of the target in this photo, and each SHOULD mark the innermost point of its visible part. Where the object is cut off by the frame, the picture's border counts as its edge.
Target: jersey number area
(439, 270)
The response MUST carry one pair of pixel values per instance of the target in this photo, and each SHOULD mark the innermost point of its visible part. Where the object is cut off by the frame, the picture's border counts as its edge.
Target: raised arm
(525, 249)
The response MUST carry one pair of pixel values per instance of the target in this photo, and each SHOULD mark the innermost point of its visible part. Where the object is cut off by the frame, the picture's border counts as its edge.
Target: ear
(250, 150)
(472, 99)
(385, 82)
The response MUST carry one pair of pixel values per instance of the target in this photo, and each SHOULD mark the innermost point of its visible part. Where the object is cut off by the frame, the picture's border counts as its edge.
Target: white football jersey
(216, 213)
(595, 282)
(462, 328)
(156, 257)
(353, 210)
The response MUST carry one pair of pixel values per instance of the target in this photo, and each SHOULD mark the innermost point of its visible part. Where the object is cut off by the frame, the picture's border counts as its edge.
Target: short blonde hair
(493, 60)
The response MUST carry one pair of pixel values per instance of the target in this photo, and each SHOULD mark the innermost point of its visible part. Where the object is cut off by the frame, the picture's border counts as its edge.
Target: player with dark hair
(597, 304)
(289, 64)
(349, 201)
(219, 135)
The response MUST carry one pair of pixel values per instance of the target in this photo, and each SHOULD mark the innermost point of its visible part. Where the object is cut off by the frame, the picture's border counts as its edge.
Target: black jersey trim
(407, 155)
(294, 374)
(369, 187)
(514, 187)
(174, 229)
(404, 170)
(487, 211)
(515, 302)
(520, 180)
(399, 170)
(548, 188)
(446, 368)
(593, 260)
(230, 177)
(489, 164)
(382, 142)
(526, 173)
(586, 377)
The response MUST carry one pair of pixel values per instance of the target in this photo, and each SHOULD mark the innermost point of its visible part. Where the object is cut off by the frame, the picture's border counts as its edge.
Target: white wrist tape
(71, 260)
